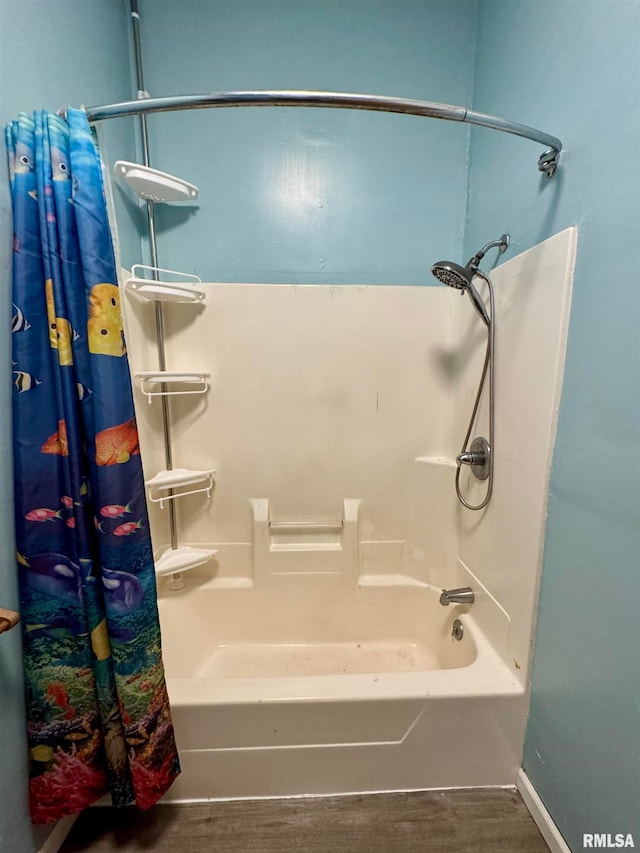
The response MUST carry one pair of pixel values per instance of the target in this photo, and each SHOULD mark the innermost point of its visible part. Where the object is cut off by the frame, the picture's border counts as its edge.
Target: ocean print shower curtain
(98, 716)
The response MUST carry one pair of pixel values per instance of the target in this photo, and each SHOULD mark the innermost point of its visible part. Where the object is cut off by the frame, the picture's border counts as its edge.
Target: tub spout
(463, 595)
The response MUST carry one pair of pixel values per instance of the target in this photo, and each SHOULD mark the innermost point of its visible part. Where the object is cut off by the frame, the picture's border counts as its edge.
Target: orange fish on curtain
(57, 442)
(117, 444)
(84, 554)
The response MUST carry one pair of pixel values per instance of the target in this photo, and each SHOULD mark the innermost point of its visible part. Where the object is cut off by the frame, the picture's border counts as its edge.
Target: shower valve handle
(478, 457)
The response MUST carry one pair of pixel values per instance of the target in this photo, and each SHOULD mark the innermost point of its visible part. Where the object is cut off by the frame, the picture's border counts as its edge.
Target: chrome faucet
(463, 595)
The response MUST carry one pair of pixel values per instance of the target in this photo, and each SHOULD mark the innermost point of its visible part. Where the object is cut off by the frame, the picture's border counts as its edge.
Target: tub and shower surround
(316, 398)
(312, 655)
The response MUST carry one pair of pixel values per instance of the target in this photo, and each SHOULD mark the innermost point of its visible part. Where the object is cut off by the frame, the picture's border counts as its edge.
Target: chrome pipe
(135, 25)
(142, 93)
(153, 250)
(340, 100)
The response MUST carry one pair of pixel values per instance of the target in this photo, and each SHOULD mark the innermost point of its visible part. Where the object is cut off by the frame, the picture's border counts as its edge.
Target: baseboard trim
(58, 834)
(544, 821)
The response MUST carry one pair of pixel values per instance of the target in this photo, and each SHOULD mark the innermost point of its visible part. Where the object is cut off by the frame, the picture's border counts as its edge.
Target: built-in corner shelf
(172, 383)
(165, 285)
(178, 478)
(154, 185)
(182, 559)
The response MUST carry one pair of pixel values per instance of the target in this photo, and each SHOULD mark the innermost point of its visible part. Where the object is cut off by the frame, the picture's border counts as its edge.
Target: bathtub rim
(486, 676)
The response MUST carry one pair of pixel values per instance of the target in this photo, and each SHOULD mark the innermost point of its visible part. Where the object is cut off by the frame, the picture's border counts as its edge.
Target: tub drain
(457, 632)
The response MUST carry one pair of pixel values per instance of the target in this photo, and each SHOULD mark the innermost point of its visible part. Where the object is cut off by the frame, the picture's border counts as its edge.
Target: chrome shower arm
(501, 244)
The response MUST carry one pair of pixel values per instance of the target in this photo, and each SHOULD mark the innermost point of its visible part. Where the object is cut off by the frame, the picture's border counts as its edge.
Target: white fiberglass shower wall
(311, 655)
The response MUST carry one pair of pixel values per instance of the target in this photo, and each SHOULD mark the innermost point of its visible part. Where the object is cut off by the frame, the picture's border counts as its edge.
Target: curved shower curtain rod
(547, 162)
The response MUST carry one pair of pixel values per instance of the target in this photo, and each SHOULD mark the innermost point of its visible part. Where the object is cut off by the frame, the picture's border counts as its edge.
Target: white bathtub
(310, 692)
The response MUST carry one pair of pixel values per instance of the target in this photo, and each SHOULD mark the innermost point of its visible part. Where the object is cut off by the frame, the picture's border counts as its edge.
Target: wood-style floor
(480, 820)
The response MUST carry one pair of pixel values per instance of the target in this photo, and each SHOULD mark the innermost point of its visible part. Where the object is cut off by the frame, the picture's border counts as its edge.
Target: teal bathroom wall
(323, 196)
(52, 53)
(312, 196)
(573, 69)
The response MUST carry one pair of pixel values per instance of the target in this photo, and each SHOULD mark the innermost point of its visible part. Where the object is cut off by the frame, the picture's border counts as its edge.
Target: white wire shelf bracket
(161, 487)
(164, 285)
(183, 559)
(196, 380)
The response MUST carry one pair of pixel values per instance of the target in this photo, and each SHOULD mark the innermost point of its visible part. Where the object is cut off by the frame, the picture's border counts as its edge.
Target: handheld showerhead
(453, 275)
(461, 278)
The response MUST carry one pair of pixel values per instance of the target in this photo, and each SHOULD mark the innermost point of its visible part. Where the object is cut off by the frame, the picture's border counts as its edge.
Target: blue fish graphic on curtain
(98, 715)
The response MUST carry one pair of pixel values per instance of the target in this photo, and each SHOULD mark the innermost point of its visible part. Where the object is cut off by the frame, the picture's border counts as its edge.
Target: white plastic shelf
(165, 285)
(178, 478)
(154, 185)
(198, 380)
(182, 559)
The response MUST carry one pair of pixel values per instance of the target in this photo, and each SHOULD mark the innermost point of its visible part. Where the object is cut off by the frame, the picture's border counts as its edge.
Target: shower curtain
(98, 716)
